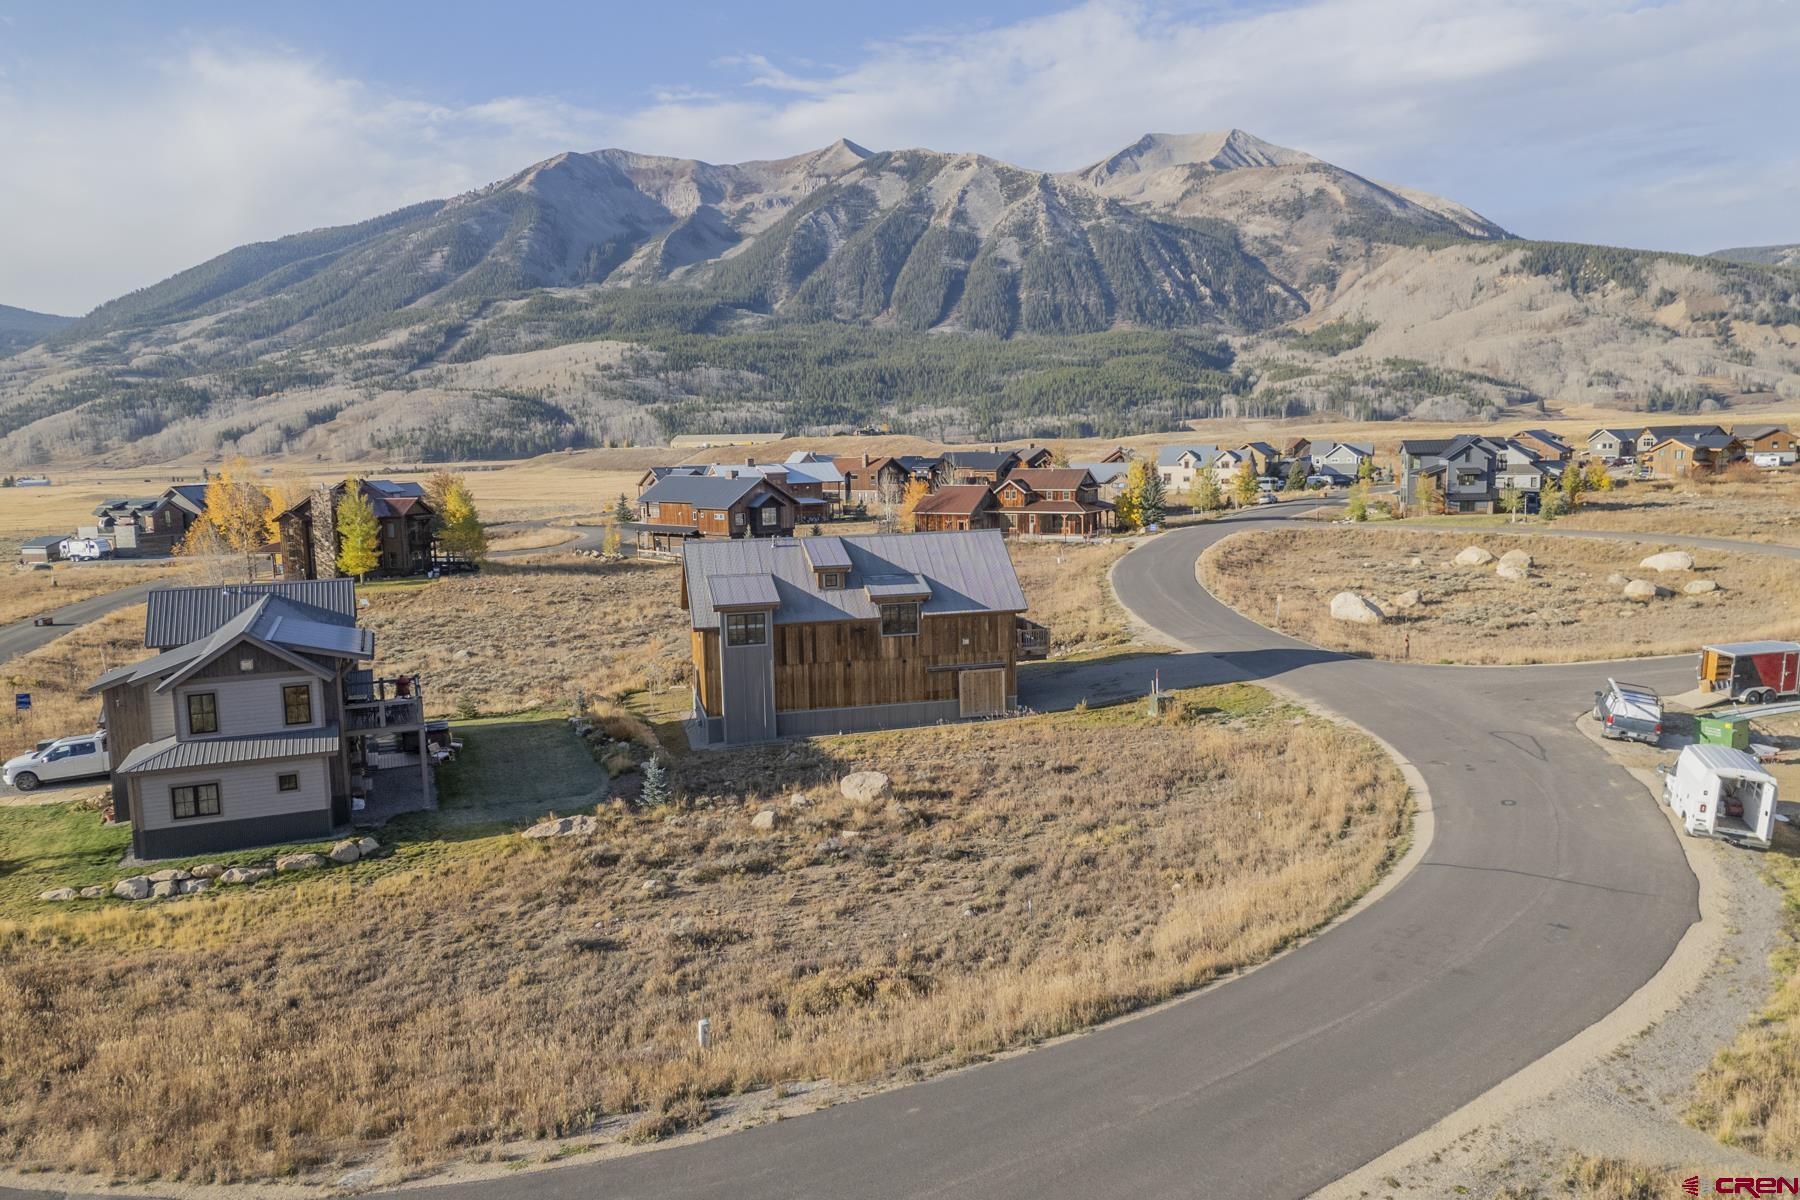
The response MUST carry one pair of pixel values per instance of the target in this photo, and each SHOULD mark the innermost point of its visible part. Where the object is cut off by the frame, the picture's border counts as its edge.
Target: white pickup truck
(75, 757)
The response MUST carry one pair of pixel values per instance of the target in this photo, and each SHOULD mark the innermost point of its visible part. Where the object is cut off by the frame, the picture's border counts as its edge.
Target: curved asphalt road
(20, 637)
(1552, 890)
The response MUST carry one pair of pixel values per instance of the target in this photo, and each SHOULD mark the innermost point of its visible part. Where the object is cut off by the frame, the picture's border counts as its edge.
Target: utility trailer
(1723, 793)
(1750, 672)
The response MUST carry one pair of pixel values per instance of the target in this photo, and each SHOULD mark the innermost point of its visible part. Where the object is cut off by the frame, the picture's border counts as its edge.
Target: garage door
(982, 693)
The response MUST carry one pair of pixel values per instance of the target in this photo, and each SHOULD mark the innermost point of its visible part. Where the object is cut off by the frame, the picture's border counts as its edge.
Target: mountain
(1769, 256)
(20, 327)
(614, 295)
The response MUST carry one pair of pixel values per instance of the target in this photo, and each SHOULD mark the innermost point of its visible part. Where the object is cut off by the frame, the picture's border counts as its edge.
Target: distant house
(1544, 444)
(187, 504)
(1767, 445)
(816, 635)
(1465, 469)
(1613, 443)
(1523, 473)
(1264, 458)
(1226, 463)
(255, 723)
(1053, 502)
(980, 466)
(817, 488)
(406, 540)
(928, 468)
(1297, 447)
(1118, 454)
(1108, 476)
(143, 526)
(680, 507)
(1034, 457)
(1178, 465)
(1649, 436)
(47, 548)
(824, 467)
(872, 480)
(956, 507)
(650, 478)
(1341, 462)
(1685, 454)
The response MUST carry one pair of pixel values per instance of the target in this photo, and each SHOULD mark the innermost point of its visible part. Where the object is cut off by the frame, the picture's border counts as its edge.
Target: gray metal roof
(702, 491)
(1766, 647)
(1168, 456)
(177, 616)
(743, 591)
(173, 754)
(965, 571)
(827, 554)
(895, 587)
(978, 460)
(45, 541)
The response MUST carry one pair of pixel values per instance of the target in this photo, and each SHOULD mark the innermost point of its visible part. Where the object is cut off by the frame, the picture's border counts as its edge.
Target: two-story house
(1609, 445)
(254, 721)
(1767, 445)
(1651, 435)
(1464, 469)
(1179, 465)
(814, 487)
(1052, 502)
(1340, 462)
(678, 507)
(958, 506)
(1681, 455)
(872, 480)
(145, 526)
(1544, 445)
(406, 530)
(980, 466)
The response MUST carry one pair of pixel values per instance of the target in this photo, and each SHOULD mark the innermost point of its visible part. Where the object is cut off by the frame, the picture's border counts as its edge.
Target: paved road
(1551, 890)
(22, 636)
(587, 537)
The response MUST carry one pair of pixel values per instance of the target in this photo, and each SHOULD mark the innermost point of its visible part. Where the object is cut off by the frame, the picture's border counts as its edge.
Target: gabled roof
(191, 496)
(854, 462)
(287, 631)
(963, 572)
(1169, 456)
(1359, 449)
(1543, 435)
(44, 541)
(1751, 433)
(743, 591)
(177, 616)
(171, 753)
(1664, 432)
(793, 472)
(702, 491)
(960, 499)
(664, 472)
(979, 460)
(1048, 479)
(1426, 447)
(1263, 448)
(917, 463)
(1103, 473)
(1623, 435)
(1696, 441)
(122, 506)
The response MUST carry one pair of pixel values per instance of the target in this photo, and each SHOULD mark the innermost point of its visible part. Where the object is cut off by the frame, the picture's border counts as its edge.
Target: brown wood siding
(845, 663)
(127, 714)
(706, 669)
(981, 693)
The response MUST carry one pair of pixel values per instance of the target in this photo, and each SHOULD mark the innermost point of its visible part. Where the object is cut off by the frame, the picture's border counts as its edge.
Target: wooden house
(872, 480)
(1264, 458)
(146, 526)
(980, 466)
(1687, 454)
(816, 488)
(1614, 443)
(818, 635)
(1034, 458)
(959, 506)
(1544, 445)
(679, 507)
(654, 475)
(406, 539)
(1767, 445)
(1053, 502)
(1649, 437)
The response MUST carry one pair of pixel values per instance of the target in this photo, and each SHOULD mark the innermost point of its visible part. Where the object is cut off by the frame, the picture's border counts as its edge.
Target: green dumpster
(1726, 731)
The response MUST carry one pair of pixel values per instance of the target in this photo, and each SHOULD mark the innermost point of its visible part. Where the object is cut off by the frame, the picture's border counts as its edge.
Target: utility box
(1725, 731)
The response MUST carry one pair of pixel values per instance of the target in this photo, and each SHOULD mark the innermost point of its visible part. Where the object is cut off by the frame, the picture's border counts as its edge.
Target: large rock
(209, 870)
(864, 786)
(300, 862)
(63, 893)
(1348, 606)
(1509, 571)
(1642, 589)
(95, 891)
(1516, 558)
(244, 874)
(1699, 587)
(169, 875)
(135, 888)
(346, 851)
(1473, 556)
(192, 887)
(1669, 560)
(580, 826)
(1407, 599)
(764, 820)
(166, 887)
(367, 845)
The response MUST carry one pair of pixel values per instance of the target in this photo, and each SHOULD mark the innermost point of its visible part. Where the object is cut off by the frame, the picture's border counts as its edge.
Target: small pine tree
(358, 533)
(1365, 468)
(622, 511)
(1296, 477)
(1153, 502)
(655, 789)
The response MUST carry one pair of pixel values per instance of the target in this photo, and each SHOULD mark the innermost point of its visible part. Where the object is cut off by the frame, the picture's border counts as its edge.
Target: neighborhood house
(799, 636)
(406, 542)
(678, 507)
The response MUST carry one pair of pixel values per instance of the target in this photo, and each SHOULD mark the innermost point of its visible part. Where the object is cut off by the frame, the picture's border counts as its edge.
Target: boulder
(135, 888)
(170, 875)
(209, 870)
(64, 893)
(244, 874)
(1699, 587)
(367, 845)
(654, 888)
(1407, 599)
(764, 820)
(1509, 571)
(300, 862)
(193, 887)
(1515, 558)
(1618, 579)
(1641, 589)
(1348, 606)
(95, 892)
(166, 887)
(864, 786)
(346, 851)
(1473, 556)
(1415, 561)
(580, 826)
(1669, 560)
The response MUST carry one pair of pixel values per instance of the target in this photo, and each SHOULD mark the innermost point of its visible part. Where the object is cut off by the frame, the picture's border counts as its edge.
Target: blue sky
(142, 138)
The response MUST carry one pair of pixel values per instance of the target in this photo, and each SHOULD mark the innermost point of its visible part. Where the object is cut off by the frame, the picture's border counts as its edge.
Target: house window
(746, 629)
(196, 800)
(829, 580)
(287, 782)
(296, 704)
(738, 518)
(203, 712)
(769, 515)
(900, 620)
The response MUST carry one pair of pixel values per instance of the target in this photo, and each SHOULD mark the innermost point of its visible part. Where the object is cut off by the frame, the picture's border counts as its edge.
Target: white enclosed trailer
(1721, 792)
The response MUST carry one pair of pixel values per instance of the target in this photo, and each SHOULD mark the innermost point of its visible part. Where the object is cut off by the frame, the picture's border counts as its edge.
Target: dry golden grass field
(1566, 611)
(1584, 1178)
(27, 592)
(1759, 506)
(57, 676)
(1024, 880)
(1069, 592)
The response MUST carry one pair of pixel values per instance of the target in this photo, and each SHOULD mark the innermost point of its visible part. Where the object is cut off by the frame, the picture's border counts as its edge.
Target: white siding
(246, 790)
(251, 705)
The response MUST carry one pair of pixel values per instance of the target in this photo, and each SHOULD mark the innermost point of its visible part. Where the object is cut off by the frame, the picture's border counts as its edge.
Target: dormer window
(830, 580)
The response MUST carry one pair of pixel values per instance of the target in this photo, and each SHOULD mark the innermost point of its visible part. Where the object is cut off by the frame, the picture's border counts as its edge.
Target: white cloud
(1654, 124)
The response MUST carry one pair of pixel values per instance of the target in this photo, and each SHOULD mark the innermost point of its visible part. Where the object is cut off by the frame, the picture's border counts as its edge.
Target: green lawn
(517, 765)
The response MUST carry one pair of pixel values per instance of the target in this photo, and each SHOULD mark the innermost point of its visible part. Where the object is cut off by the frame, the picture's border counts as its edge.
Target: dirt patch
(1565, 610)
(1023, 880)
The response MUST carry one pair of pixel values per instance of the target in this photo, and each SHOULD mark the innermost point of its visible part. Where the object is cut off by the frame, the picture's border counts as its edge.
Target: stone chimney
(749, 460)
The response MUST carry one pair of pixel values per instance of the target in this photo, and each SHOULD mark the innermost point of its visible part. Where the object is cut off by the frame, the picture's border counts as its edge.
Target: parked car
(1320, 481)
(1721, 792)
(78, 757)
(1266, 498)
(1629, 712)
(1753, 672)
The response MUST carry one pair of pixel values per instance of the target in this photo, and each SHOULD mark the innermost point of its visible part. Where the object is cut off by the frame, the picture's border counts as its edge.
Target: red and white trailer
(1751, 672)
